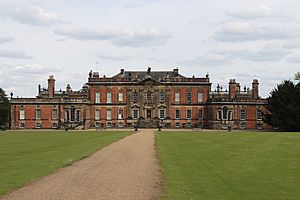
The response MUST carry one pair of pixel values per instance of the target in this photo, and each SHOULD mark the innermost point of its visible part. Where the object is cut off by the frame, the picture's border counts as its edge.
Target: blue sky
(228, 39)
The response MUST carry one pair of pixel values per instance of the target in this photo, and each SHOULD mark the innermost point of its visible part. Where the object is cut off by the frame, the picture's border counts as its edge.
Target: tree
(297, 76)
(4, 108)
(284, 106)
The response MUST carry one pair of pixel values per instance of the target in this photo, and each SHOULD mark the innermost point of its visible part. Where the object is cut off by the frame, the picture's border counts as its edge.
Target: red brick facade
(144, 99)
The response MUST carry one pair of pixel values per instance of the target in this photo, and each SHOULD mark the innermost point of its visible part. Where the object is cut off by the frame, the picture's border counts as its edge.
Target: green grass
(27, 155)
(221, 165)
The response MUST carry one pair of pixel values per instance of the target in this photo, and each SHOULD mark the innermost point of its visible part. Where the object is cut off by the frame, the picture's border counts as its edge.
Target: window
(54, 125)
(38, 125)
(97, 124)
(72, 114)
(97, 115)
(120, 124)
(108, 97)
(225, 113)
(177, 97)
(243, 114)
(108, 124)
(229, 115)
(120, 114)
(135, 114)
(38, 114)
(177, 114)
(97, 97)
(200, 97)
(120, 98)
(161, 114)
(78, 115)
(188, 114)
(108, 114)
(149, 98)
(54, 114)
(135, 96)
(243, 125)
(188, 124)
(258, 115)
(188, 97)
(219, 115)
(177, 125)
(22, 114)
(22, 125)
(200, 114)
(67, 116)
(161, 97)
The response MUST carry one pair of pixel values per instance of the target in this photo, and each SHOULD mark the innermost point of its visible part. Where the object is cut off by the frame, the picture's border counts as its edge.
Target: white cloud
(4, 39)
(18, 77)
(253, 12)
(142, 38)
(295, 58)
(14, 54)
(116, 36)
(241, 31)
(211, 58)
(266, 53)
(292, 44)
(89, 34)
(115, 57)
(28, 14)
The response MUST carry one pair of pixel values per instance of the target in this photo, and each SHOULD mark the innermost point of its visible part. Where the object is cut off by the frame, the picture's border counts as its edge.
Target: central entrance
(149, 113)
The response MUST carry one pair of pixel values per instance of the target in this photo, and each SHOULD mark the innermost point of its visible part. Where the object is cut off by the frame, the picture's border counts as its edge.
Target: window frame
(97, 97)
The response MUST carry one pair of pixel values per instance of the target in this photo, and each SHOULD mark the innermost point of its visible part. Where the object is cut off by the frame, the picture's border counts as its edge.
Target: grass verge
(221, 165)
(25, 155)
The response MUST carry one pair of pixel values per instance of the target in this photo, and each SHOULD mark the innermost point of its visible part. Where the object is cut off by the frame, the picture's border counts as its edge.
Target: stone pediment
(149, 81)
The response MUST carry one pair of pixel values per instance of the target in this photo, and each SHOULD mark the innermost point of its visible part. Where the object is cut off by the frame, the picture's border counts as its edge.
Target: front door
(148, 113)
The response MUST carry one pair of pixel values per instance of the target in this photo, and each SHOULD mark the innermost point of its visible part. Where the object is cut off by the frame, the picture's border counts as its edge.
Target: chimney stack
(51, 86)
(176, 72)
(255, 89)
(232, 88)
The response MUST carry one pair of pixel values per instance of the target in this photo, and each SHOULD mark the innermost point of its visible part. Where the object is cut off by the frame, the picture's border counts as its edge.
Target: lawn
(25, 155)
(236, 165)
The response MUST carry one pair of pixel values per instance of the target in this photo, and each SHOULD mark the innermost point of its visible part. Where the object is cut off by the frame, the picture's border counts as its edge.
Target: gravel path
(126, 169)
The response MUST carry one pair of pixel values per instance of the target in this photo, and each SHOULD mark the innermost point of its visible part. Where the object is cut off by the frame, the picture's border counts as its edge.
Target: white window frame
(161, 96)
(120, 97)
(177, 116)
(137, 113)
(200, 114)
(188, 114)
(243, 114)
(177, 97)
(38, 114)
(97, 97)
(200, 97)
(120, 114)
(22, 114)
(135, 96)
(161, 114)
(108, 97)
(108, 114)
(189, 95)
(54, 114)
(259, 117)
(97, 114)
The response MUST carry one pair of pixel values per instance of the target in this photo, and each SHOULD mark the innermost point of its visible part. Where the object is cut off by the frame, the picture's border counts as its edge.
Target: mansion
(146, 99)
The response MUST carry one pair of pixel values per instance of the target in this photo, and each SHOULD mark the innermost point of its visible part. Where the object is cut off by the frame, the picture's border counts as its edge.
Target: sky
(228, 39)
